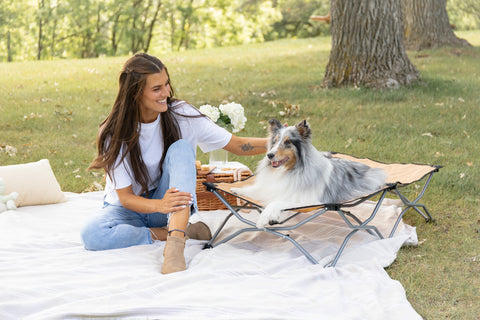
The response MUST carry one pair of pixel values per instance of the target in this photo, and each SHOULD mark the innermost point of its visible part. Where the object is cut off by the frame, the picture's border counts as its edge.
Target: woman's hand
(173, 201)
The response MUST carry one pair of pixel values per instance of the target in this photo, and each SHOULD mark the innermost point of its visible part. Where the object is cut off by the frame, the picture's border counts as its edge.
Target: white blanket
(45, 273)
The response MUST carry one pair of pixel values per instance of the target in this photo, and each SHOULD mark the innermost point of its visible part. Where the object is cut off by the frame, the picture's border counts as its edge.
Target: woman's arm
(173, 201)
(246, 146)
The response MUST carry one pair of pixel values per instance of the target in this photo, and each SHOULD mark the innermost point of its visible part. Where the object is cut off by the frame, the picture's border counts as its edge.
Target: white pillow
(34, 182)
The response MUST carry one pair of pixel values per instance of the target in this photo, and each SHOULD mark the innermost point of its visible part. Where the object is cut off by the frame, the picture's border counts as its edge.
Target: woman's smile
(154, 97)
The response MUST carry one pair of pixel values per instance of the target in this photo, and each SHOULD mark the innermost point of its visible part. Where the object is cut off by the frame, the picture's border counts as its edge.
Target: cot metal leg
(413, 205)
(233, 212)
(295, 243)
(351, 215)
(230, 237)
(340, 250)
(362, 226)
(215, 235)
(209, 244)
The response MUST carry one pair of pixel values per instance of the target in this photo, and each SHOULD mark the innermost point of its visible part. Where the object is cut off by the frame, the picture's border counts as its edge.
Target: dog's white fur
(294, 173)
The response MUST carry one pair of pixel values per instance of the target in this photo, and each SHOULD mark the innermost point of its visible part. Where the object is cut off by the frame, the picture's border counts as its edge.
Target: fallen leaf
(349, 142)
(11, 150)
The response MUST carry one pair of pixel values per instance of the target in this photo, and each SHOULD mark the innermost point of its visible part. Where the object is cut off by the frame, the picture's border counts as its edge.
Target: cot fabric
(402, 173)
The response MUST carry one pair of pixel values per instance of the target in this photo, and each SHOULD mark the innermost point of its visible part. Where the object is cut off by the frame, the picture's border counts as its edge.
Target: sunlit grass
(51, 109)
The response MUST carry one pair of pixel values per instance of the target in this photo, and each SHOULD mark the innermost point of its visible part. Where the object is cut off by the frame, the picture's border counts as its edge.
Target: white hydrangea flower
(210, 111)
(236, 114)
(229, 116)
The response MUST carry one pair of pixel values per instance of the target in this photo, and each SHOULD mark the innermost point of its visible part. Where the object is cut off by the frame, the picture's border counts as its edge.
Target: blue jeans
(117, 227)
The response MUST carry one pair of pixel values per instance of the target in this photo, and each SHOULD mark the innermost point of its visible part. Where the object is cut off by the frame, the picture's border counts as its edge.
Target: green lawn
(51, 109)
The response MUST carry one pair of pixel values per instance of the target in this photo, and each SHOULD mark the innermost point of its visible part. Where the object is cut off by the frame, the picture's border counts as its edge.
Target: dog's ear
(275, 125)
(304, 129)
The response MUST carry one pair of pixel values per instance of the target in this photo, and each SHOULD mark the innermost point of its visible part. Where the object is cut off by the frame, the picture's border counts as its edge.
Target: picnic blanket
(45, 273)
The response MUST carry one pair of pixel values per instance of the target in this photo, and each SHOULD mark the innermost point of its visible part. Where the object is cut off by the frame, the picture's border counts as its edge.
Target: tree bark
(151, 26)
(9, 47)
(367, 45)
(41, 6)
(427, 25)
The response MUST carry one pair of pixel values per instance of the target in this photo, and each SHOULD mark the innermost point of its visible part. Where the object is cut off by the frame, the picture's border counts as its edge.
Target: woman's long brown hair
(121, 127)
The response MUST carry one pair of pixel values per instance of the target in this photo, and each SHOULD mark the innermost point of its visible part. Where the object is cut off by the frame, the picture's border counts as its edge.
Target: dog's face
(286, 144)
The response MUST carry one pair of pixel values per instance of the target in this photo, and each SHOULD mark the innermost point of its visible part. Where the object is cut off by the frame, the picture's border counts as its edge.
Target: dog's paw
(269, 216)
(262, 221)
(237, 191)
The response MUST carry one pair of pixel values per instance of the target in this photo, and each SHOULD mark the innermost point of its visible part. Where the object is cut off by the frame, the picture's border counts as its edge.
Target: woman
(146, 146)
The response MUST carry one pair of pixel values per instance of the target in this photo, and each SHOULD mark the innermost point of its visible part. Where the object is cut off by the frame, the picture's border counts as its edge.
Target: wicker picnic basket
(206, 200)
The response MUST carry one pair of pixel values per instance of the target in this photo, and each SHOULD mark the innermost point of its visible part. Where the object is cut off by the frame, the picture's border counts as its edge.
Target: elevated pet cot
(399, 175)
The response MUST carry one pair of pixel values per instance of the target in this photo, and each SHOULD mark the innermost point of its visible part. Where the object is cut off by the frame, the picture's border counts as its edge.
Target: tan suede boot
(173, 258)
(198, 231)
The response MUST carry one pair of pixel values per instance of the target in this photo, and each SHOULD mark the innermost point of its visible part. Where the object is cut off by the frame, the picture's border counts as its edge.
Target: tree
(44, 11)
(427, 26)
(142, 17)
(367, 45)
(296, 21)
(186, 11)
(12, 19)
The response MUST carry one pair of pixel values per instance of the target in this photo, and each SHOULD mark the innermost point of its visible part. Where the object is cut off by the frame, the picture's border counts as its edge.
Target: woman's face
(154, 97)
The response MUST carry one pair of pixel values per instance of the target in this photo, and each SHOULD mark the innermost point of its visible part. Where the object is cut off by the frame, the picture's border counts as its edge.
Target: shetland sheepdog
(294, 173)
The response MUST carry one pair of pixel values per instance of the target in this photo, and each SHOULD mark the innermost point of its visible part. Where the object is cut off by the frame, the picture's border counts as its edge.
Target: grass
(51, 109)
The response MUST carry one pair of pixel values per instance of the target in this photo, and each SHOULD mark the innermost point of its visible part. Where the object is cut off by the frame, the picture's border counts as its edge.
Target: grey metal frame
(356, 225)
(414, 203)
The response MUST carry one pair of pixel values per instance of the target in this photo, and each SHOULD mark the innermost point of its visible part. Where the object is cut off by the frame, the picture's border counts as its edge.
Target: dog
(294, 173)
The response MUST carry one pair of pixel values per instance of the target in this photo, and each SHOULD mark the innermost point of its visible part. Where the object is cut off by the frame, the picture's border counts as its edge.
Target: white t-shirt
(199, 131)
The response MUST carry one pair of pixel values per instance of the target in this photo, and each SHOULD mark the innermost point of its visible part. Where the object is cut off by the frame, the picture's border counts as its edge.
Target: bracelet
(184, 233)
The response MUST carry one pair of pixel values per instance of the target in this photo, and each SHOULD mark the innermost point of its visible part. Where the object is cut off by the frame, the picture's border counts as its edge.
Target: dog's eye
(287, 142)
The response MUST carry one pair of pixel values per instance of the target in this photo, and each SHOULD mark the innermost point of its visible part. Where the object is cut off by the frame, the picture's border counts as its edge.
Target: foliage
(296, 21)
(46, 29)
(464, 14)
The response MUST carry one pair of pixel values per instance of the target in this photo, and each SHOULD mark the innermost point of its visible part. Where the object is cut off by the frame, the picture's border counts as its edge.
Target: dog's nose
(270, 156)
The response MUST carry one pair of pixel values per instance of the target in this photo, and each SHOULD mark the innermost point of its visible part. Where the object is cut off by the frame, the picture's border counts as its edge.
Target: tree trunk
(367, 45)
(427, 26)
(152, 23)
(41, 5)
(9, 47)
(115, 32)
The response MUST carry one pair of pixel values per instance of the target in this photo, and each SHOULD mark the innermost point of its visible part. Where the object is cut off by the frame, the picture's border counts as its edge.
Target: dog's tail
(378, 178)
